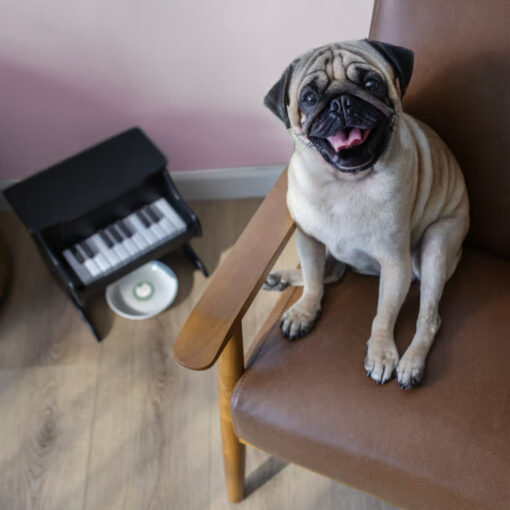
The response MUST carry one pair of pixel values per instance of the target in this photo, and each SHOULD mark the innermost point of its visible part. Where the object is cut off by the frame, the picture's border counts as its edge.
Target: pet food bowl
(144, 293)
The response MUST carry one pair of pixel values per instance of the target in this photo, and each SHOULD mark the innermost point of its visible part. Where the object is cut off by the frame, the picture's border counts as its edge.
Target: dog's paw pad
(410, 372)
(297, 321)
(275, 281)
(380, 363)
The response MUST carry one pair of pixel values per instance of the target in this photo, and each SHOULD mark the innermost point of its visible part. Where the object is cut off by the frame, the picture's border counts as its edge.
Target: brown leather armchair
(445, 445)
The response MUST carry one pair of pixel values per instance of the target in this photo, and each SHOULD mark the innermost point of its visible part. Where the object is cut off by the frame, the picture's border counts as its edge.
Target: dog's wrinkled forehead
(334, 70)
(332, 64)
(340, 63)
(335, 64)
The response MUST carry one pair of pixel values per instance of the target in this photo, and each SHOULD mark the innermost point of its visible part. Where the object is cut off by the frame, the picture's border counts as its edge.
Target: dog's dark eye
(310, 98)
(372, 85)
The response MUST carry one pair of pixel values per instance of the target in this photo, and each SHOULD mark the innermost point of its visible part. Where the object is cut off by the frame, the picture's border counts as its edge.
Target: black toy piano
(104, 212)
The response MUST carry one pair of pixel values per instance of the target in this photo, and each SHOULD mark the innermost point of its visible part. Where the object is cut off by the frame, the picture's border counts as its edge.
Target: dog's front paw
(381, 359)
(276, 281)
(299, 319)
(410, 370)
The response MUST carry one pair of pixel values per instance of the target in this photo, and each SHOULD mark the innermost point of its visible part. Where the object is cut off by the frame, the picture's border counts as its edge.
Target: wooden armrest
(237, 281)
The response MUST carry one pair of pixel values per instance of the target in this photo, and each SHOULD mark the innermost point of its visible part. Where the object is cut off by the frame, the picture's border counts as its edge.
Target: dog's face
(341, 100)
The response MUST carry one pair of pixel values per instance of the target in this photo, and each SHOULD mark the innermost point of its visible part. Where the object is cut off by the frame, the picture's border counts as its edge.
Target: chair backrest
(460, 87)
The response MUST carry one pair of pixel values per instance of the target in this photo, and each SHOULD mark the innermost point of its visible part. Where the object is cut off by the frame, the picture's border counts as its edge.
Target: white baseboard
(244, 182)
(221, 183)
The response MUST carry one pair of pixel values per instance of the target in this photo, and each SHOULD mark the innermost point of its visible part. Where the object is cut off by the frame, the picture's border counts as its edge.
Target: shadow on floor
(256, 479)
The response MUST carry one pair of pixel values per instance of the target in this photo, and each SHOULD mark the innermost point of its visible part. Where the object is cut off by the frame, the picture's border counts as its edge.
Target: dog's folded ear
(277, 98)
(401, 60)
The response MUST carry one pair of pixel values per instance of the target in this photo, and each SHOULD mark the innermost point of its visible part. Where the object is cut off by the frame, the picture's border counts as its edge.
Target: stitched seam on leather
(242, 380)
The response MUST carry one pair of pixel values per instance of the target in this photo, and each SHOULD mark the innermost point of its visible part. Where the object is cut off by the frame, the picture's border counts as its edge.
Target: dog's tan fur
(407, 215)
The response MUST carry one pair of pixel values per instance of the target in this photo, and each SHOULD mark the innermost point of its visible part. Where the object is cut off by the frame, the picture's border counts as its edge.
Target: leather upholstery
(460, 87)
(444, 445)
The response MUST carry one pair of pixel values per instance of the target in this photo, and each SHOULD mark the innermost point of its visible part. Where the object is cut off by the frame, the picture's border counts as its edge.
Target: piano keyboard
(124, 240)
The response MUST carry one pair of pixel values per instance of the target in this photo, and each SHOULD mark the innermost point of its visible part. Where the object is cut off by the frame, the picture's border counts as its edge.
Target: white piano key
(138, 238)
(139, 227)
(79, 269)
(99, 258)
(158, 231)
(107, 252)
(154, 227)
(131, 245)
(156, 223)
(102, 263)
(163, 205)
(168, 228)
(91, 266)
(119, 248)
(127, 242)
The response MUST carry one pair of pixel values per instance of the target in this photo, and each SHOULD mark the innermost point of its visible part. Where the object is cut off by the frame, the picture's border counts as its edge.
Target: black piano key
(87, 249)
(151, 214)
(148, 217)
(106, 238)
(124, 228)
(77, 255)
(145, 222)
(113, 233)
(157, 212)
(118, 232)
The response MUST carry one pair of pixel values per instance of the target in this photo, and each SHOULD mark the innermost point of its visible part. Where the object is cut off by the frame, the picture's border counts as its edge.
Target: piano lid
(80, 184)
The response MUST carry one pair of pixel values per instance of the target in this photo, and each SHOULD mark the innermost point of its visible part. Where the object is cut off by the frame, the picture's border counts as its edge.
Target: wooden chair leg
(230, 369)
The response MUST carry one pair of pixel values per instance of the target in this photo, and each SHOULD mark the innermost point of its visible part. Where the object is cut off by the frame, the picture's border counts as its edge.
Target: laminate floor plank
(38, 324)
(45, 429)
(120, 425)
(153, 417)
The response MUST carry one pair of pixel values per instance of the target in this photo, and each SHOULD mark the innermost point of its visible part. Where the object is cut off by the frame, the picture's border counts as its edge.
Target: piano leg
(86, 319)
(195, 259)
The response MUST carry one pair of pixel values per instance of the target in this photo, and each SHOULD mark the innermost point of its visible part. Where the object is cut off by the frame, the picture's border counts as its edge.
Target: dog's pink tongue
(339, 141)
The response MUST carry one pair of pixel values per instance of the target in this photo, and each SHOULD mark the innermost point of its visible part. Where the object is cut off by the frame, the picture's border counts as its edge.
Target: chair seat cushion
(444, 445)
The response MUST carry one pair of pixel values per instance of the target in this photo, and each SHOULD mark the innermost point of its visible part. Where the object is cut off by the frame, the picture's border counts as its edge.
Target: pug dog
(369, 187)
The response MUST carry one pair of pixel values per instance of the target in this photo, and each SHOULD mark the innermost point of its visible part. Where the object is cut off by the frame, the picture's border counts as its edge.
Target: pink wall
(192, 74)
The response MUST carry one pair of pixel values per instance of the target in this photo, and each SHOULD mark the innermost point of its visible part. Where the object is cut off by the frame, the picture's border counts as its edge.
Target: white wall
(192, 73)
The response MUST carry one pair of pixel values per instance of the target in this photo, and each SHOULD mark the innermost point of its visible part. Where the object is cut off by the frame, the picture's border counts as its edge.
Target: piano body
(104, 212)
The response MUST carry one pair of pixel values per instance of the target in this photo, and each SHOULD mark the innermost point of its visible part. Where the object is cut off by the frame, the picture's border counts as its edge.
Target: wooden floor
(120, 425)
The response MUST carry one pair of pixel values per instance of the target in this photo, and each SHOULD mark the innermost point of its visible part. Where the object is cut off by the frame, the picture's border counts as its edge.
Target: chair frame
(213, 330)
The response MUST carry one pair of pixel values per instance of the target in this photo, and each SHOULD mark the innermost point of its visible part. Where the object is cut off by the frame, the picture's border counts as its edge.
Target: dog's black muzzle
(344, 111)
(349, 127)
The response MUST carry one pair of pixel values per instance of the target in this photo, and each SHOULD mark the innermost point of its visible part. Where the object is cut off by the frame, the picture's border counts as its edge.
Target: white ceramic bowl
(143, 293)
